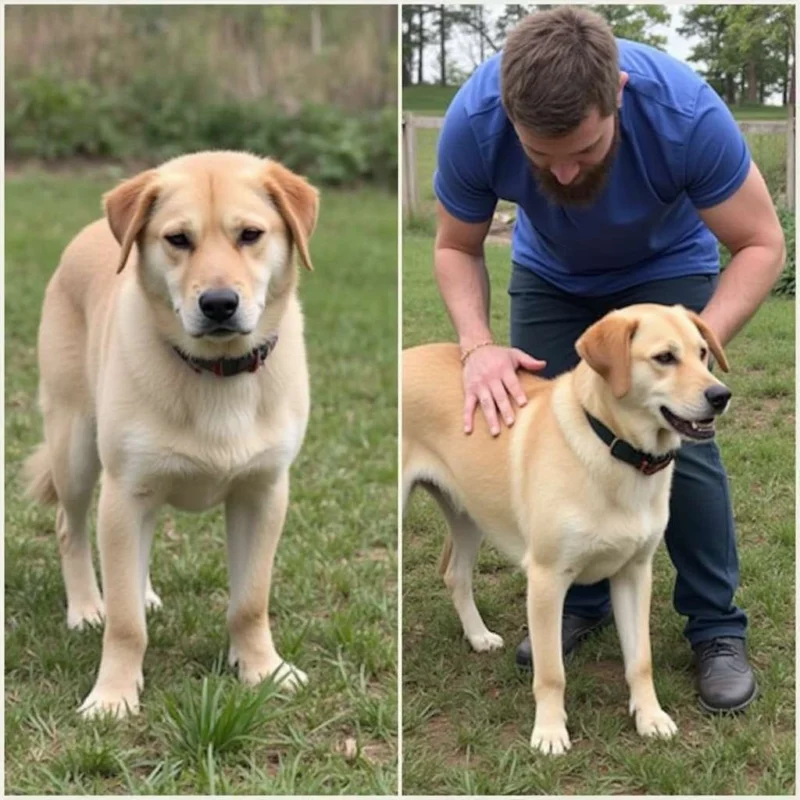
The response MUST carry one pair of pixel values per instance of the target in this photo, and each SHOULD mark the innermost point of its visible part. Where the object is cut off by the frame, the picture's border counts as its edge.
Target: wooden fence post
(410, 189)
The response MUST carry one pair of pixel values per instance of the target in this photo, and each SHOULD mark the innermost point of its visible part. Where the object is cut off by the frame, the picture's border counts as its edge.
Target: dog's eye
(703, 353)
(250, 235)
(667, 357)
(179, 240)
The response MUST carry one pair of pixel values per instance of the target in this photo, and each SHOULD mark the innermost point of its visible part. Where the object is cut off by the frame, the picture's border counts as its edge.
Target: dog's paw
(90, 613)
(483, 642)
(552, 740)
(152, 602)
(655, 723)
(115, 702)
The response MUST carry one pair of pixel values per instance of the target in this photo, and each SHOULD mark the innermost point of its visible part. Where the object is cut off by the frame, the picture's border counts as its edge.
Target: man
(624, 165)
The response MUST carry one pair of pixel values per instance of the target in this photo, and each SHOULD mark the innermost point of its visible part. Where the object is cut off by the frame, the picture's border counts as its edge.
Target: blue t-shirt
(680, 150)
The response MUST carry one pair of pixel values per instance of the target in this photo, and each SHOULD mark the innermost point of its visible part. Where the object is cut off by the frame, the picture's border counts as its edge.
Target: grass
(467, 717)
(334, 593)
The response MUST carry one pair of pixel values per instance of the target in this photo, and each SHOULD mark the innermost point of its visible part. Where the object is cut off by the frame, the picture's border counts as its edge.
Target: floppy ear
(606, 348)
(297, 202)
(711, 339)
(127, 207)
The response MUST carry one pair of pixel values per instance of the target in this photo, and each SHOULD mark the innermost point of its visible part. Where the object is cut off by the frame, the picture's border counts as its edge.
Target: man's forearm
(464, 285)
(743, 286)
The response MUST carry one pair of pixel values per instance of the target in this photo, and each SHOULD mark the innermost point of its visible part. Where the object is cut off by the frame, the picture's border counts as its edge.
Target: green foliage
(213, 722)
(745, 49)
(53, 118)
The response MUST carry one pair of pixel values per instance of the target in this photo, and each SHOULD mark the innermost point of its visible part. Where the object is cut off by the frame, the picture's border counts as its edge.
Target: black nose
(219, 304)
(718, 397)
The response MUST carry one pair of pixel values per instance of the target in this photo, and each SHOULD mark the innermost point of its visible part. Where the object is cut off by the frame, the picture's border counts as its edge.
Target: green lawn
(334, 594)
(467, 717)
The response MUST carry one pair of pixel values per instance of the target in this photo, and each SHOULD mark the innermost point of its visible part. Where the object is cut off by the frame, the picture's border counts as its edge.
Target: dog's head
(214, 233)
(656, 358)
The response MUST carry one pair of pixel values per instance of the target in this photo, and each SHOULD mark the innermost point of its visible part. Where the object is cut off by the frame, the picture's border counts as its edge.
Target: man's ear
(127, 208)
(297, 202)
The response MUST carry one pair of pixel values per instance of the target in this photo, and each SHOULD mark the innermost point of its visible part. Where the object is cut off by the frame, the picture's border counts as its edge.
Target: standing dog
(576, 491)
(172, 359)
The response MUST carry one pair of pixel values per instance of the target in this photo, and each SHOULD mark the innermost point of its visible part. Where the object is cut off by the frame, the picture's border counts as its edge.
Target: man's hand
(490, 376)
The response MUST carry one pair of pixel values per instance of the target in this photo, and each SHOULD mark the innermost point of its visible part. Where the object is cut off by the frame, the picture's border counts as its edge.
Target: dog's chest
(598, 546)
(195, 469)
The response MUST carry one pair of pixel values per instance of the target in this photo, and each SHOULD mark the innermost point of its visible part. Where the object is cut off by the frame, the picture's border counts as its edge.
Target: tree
(747, 51)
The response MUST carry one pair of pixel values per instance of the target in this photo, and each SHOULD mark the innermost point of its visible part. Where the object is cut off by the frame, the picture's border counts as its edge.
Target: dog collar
(226, 367)
(646, 463)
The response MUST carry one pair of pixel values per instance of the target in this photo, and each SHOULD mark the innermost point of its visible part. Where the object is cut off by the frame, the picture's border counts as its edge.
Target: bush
(51, 118)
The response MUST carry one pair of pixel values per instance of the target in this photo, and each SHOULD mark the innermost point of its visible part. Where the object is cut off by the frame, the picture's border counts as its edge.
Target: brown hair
(556, 66)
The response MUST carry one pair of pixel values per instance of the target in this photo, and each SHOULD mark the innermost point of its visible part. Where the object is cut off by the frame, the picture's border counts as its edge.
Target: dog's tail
(38, 476)
(447, 552)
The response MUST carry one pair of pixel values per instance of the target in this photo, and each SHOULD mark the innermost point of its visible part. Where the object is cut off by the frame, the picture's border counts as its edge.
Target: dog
(172, 360)
(577, 490)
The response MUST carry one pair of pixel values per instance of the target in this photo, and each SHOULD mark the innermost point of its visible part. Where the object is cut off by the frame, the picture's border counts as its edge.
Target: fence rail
(414, 122)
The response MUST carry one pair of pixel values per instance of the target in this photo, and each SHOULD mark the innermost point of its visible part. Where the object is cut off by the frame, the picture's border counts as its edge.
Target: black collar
(646, 463)
(226, 367)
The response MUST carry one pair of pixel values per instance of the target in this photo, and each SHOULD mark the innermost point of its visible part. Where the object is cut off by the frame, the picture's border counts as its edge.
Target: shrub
(52, 118)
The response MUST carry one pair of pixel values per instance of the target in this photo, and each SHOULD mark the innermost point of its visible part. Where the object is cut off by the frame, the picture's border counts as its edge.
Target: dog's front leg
(254, 516)
(630, 597)
(546, 592)
(125, 526)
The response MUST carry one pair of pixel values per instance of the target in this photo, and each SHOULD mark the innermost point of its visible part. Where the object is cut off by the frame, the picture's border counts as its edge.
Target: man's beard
(586, 188)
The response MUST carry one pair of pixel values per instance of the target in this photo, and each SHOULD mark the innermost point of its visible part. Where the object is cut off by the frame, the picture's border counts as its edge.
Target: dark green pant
(700, 536)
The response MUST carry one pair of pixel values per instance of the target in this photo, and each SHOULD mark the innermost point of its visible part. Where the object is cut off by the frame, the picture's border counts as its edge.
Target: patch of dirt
(502, 228)
(373, 554)
(440, 736)
(768, 409)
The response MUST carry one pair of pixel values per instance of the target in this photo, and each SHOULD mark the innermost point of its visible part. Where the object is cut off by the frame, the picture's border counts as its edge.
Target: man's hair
(556, 66)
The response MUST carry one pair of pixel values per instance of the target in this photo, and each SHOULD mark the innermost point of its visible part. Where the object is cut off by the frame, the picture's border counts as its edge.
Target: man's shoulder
(661, 84)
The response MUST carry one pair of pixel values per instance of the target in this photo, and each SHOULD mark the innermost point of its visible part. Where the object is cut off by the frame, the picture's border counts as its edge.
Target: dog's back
(437, 452)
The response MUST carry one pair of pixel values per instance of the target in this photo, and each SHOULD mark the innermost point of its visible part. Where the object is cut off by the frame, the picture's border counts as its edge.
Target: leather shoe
(574, 630)
(725, 680)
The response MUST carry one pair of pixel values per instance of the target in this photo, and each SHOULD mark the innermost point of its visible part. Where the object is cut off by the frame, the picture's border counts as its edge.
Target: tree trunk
(482, 31)
(420, 45)
(442, 47)
(316, 30)
(752, 82)
(730, 89)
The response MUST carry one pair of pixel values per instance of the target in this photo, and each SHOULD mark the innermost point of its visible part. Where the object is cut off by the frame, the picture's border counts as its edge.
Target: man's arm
(460, 269)
(748, 225)
(489, 370)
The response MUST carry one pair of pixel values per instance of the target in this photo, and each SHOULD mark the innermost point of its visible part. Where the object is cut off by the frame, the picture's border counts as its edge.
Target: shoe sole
(732, 709)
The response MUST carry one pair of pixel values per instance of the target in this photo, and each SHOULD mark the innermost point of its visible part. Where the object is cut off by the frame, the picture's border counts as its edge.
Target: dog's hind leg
(457, 564)
(74, 465)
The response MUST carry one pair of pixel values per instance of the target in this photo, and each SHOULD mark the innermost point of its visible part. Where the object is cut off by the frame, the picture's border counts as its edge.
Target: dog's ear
(711, 339)
(127, 207)
(606, 348)
(297, 202)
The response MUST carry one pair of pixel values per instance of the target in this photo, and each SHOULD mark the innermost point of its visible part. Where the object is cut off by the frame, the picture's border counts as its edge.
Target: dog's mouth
(220, 333)
(697, 430)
